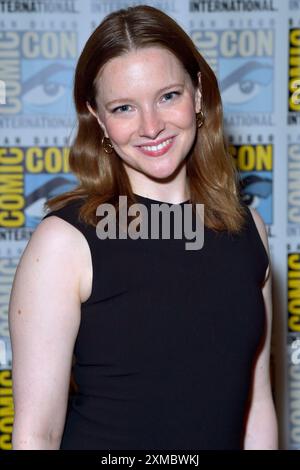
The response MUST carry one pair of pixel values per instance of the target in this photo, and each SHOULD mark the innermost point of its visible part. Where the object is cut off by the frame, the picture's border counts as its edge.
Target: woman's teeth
(155, 148)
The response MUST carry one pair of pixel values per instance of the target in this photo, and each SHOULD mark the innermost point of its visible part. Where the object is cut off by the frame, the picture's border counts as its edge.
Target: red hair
(212, 177)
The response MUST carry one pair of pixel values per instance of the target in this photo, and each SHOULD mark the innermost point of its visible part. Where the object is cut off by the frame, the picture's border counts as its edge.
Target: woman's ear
(89, 107)
(93, 112)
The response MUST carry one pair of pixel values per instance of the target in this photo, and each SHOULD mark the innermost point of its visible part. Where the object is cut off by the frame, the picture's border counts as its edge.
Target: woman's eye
(170, 96)
(122, 109)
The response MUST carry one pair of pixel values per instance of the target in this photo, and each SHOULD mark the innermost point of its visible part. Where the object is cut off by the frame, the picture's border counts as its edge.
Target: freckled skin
(19, 312)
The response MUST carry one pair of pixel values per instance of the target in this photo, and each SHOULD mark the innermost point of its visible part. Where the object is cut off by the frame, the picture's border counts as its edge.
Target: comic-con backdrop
(254, 49)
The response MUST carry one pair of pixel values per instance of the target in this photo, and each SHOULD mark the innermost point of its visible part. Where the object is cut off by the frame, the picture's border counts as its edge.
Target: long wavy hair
(211, 174)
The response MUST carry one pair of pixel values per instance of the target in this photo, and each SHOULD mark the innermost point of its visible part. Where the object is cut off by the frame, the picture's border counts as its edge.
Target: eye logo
(254, 162)
(38, 191)
(47, 90)
(257, 192)
(247, 87)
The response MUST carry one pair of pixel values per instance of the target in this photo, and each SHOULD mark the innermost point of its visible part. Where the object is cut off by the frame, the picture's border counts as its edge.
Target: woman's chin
(162, 172)
(158, 170)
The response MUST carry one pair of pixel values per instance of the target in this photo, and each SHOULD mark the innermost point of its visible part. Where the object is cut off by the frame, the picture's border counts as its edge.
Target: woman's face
(146, 106)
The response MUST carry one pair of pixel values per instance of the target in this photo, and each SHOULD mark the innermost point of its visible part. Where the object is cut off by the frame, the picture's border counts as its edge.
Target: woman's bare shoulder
(260, 225)
(44, 319)
(261, 228)
(62, 245)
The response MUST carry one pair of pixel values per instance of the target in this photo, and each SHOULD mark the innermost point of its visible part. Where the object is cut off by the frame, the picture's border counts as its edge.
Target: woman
(171, 346)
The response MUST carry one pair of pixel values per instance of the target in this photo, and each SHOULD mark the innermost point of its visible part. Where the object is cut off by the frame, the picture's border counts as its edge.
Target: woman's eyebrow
(117, 100)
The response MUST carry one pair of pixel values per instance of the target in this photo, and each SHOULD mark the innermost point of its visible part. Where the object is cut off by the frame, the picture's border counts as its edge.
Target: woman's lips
(163, 148)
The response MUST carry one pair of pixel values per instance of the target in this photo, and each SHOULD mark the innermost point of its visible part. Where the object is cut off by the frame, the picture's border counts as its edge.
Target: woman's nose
(151, 124)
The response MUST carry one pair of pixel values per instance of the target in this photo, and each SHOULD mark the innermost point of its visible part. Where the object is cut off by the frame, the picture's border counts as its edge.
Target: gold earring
(107, 145)
(199, 118)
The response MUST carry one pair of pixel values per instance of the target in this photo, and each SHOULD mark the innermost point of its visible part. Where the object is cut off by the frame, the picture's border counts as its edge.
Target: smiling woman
(169, 346)
(150, 119)
(122, 111)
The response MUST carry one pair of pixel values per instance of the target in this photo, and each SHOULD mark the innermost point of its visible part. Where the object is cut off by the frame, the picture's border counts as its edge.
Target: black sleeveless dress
(167, 341)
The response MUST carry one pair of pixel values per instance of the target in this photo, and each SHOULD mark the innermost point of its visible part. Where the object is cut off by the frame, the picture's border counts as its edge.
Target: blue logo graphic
(47, 87)
(39, 190)
(257, 191)
(246, 85)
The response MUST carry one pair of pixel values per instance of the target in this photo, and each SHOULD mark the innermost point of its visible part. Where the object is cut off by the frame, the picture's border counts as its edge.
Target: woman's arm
(44, 318)
(261, 428)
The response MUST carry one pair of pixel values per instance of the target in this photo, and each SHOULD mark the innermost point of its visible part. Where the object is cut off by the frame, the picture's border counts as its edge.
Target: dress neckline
(149, 200)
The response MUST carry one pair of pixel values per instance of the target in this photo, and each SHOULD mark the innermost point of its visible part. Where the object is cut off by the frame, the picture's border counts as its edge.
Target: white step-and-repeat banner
(254, 48)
